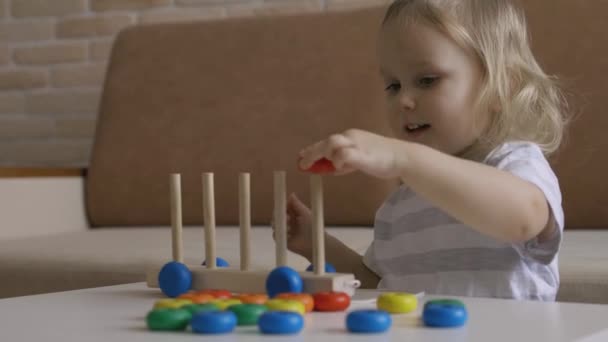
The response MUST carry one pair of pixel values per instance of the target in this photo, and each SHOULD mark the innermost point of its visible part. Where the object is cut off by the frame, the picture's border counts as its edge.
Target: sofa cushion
(115, 256)
(583, 267)
(102, 257)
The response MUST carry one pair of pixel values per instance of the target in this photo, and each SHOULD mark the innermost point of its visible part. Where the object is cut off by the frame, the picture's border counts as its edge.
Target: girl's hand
(299, 227)
(355, 149)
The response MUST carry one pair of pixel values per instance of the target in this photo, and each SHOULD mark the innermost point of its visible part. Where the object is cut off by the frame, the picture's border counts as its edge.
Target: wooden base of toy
(236, 280)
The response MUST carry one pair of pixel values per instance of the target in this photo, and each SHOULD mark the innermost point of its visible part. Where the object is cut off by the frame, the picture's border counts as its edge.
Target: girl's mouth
(416, 128)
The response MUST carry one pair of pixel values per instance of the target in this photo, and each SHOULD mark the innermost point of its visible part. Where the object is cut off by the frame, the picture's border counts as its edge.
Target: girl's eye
(427, 81)
(393, 87)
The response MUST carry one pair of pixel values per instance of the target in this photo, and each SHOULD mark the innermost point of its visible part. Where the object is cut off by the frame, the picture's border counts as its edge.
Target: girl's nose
(407, 101)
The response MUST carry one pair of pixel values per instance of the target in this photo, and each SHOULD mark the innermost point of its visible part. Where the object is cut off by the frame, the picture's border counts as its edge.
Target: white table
(116, 313)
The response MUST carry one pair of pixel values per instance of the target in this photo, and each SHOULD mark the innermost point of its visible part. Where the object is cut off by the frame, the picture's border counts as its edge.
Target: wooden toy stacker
(244, 279)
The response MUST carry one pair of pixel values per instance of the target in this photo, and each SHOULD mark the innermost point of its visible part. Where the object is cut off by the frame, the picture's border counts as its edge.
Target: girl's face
(431, 85)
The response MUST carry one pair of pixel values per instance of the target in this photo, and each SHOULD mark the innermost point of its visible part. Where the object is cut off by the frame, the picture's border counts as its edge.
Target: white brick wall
(53, 55)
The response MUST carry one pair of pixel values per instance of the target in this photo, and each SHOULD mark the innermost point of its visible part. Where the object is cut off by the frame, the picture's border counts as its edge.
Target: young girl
(479, 212)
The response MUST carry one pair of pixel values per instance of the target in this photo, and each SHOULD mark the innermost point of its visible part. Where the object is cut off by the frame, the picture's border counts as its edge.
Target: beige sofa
(245, 95)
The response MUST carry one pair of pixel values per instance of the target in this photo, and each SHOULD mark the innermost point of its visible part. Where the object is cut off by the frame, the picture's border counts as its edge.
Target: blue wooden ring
(368, 321)
(213, 322)
(444, 315)
(280, 322)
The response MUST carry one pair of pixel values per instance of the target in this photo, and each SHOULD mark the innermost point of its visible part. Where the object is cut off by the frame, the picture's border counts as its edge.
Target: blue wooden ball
(283, 279)
(219, 262)
(174, 279)
(329, 268)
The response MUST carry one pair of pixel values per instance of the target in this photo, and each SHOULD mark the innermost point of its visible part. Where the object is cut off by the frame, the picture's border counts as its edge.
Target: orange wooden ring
(304, 298)
(217, 294)
(198, 298)
(252, 298)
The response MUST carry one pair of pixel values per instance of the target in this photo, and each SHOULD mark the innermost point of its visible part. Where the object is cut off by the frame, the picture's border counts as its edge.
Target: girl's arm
(346, 260)
(491, 201)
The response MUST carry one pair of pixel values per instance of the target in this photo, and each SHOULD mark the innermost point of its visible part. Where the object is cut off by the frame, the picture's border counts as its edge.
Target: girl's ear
(496, 107)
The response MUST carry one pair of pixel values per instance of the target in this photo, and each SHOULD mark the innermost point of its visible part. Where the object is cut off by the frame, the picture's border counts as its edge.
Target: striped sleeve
(527, 162)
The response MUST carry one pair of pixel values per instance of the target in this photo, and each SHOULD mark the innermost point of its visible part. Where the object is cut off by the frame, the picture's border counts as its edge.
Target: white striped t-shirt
(418, 247)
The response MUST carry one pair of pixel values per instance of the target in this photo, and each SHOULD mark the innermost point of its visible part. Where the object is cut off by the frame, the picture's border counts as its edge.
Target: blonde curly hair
(526, 104)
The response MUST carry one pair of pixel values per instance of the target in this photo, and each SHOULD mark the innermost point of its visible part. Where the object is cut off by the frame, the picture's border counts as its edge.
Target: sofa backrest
(233, 96)
(244, 95)
(570, 40)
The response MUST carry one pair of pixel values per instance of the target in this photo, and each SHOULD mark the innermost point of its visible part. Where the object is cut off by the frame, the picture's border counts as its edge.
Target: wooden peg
(280, 218)
(316, 200)
(176, 217)
(209, 216)
(245, 219)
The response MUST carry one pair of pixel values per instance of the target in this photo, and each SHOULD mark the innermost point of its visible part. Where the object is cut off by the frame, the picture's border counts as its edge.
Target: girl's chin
(417, 137)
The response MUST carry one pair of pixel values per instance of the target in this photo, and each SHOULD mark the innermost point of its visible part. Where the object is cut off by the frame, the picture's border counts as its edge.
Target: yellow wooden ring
(286, 305)
(171, 303)
(397, 302)
(223, 304)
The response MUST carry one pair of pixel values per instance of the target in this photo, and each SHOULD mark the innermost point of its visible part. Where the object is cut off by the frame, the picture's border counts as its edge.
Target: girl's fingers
(350, 159)
(335, 143)
(291, 208)
(325, 148)
(291, 199)
(342, 157)
(310, 154)
(298, 206)
(344, 171)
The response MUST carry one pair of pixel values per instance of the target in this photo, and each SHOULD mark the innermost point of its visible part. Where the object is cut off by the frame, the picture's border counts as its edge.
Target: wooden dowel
(316, 199)
(209, 216)
(280, 218)
(176, 217)
(245, 219)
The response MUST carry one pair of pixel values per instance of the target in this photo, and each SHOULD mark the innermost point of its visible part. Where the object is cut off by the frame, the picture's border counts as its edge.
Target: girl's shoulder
(514, 150)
